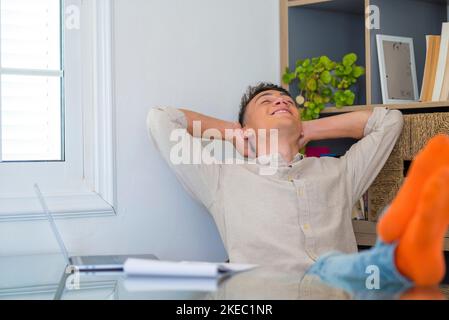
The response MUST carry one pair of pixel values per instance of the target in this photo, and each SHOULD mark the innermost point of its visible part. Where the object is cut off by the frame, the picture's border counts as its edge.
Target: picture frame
(397, 68)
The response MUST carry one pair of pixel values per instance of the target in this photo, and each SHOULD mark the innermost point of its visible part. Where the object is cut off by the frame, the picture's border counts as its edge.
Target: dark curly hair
(253, 91)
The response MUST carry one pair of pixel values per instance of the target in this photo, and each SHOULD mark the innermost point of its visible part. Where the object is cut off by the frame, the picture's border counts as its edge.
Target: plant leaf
(326, 77)
(288, 77)
(312, 85)
(349, 59)
(358, 71)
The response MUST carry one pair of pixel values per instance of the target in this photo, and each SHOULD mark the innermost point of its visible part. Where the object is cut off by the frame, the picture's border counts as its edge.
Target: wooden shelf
(408, 106)
(365, 233)
(348, 6)
(295, 3)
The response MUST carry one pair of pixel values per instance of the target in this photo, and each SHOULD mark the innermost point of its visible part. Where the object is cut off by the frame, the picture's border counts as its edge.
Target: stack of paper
(156, 268)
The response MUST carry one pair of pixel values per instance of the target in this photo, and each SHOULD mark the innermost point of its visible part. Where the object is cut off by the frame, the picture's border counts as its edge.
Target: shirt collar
(277, 158)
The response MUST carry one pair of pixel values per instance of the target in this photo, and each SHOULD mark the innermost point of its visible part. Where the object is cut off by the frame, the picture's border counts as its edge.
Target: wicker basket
(418, 130)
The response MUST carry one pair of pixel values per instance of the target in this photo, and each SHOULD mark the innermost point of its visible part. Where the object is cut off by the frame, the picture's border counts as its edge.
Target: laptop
(87, 263)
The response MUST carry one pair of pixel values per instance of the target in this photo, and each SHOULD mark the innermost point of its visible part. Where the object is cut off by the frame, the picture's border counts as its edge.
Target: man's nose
(280, 100)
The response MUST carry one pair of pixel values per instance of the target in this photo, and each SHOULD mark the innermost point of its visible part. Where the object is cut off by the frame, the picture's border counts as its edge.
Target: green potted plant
(322, 82)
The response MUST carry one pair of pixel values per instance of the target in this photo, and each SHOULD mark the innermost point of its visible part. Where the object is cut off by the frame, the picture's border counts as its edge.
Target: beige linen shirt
(290, 218)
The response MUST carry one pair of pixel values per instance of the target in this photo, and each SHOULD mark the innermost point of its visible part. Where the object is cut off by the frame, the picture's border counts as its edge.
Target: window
(31, 83)
(56, 112)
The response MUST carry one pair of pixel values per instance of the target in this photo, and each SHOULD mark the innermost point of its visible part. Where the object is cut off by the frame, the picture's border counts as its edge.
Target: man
(303, 210)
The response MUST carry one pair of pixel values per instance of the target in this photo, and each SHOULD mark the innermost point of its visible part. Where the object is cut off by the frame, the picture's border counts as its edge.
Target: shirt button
(306, 226)
(291, 179)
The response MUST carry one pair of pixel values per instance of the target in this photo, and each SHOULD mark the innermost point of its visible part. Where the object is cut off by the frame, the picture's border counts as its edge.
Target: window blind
(31, 80)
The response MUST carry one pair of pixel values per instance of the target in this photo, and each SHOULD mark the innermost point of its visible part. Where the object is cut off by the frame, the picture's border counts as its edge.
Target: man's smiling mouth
(281, 111)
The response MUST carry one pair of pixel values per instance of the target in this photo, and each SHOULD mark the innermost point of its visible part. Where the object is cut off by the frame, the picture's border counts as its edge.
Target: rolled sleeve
(200, 180)
(367, 157)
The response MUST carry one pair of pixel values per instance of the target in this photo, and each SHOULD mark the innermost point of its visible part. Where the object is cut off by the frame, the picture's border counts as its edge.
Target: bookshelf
(335, 27)
(310, 28)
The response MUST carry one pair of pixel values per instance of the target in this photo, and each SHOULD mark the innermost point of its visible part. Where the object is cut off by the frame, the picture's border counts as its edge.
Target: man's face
(273, 110)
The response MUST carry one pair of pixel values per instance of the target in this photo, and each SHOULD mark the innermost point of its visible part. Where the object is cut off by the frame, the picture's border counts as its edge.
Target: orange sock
(423, 293)
(419, 255)
(433, 157)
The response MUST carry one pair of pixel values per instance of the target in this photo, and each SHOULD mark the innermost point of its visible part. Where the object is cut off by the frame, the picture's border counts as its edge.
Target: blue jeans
(370, 274)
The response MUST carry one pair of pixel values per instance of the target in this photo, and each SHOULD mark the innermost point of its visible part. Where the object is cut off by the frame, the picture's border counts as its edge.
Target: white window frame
(84, 184)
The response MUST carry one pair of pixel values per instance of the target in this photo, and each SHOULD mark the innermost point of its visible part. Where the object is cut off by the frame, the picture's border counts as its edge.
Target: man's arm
(349, 125)
(378, 130)
(236, 135)
(200, 180)
(366, 158)
(207, 123)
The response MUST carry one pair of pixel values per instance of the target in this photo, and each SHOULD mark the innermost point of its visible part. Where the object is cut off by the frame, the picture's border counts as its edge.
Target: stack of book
(435, 85)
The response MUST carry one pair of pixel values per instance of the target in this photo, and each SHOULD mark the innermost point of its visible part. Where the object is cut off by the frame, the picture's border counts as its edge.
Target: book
(430, 70)
(442, 61)
(444, 96)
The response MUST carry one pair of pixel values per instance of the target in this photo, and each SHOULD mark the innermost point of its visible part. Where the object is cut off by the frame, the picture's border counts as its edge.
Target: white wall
(199, 54)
